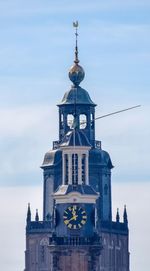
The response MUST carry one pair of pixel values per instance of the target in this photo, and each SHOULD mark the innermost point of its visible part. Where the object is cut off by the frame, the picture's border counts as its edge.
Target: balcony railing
(75, 241)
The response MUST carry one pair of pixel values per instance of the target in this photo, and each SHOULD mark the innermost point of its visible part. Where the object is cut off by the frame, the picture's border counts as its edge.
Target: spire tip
(76, 24)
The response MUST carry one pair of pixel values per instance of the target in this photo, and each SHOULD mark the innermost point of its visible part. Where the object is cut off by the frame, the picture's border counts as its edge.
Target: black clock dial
(74, 217)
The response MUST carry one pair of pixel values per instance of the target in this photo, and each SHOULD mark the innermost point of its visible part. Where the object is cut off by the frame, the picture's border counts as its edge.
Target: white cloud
(25, 134)
(19, 121)
(126, 136)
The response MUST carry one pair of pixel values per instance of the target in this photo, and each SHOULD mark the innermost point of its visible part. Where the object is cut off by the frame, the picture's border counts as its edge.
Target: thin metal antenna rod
(113, 113)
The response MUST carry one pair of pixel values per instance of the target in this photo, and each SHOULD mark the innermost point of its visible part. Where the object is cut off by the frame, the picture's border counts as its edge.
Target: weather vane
(76, 24)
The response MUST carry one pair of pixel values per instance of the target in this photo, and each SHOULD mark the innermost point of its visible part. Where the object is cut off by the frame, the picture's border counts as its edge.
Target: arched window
(92, 121)
(61, 120)
(66, 168)
(83, 121)
(74, 168)
(70, 119)
(62, 117)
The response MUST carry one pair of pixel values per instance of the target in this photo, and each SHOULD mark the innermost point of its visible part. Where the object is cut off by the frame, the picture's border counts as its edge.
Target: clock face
(74, 217)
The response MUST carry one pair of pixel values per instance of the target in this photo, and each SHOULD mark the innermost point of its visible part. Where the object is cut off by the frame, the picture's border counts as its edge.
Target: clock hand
(73, 218)
(73, 211)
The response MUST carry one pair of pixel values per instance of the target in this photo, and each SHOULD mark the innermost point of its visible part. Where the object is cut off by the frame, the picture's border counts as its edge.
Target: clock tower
(77, 232)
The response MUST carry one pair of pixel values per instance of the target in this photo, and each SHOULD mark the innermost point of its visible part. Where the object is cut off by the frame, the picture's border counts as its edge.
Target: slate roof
(52, 158)
(75, 137)
(100, 157)
(82, 189)
(76, 95)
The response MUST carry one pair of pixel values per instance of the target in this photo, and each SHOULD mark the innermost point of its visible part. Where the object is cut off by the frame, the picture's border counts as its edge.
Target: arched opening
(70, 119)
(66, 168)
(83, 121)
(61, 120)
(92, 120)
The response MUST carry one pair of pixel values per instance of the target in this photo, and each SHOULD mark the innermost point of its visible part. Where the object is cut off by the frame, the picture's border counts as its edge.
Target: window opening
(74, 168)
(61, 120)
(83, 121)
(83, 168)
(92, 121)
(62, 117)
(66, 168)
(70, 119)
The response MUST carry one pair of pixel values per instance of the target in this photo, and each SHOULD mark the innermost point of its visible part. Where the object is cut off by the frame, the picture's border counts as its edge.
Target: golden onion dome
(76, 74)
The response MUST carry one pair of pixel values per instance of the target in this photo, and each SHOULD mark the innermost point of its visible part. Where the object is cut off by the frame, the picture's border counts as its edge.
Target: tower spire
(76, 72)
(28, 214)
(76, 24)
(125, 217)
(117, 216)
(37, 216)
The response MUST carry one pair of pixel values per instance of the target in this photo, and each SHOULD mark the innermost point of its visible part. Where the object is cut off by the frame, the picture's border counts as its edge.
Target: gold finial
(75, 24)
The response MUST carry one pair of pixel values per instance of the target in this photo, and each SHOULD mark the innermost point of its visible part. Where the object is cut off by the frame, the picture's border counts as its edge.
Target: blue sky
(36, 51)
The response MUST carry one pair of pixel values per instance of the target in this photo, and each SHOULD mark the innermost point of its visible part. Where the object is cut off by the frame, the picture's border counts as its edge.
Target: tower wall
(77, 232)
(100, 179)
(37, 255)
(43, 254)
(114, 255)
(52, 174)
